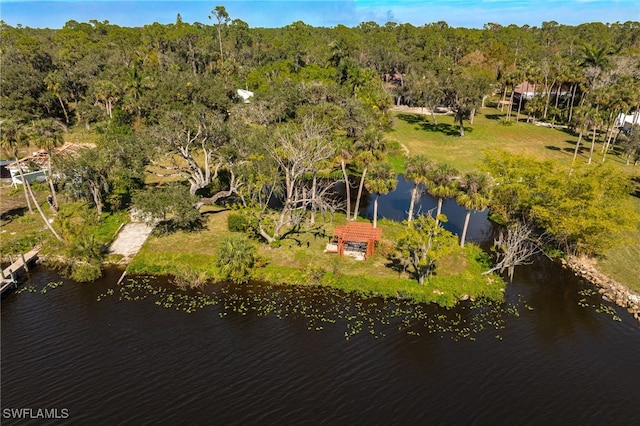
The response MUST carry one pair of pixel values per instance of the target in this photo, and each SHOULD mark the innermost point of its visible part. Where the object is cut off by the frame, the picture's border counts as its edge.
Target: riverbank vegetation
(163, 129)
(301, 260)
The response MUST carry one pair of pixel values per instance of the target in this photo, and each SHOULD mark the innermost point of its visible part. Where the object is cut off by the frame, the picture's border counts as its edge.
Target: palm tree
(48, 136)
(221, 15)
(134, 86)
(369, 148)
(12, 136)
(55, 82)
(344, 156)
(417, 171)
(600, 97)
(594, 60)
(381, 180)
(236, 257)
(583, 118)
(474, 196)
(442, 184)
(107, 94)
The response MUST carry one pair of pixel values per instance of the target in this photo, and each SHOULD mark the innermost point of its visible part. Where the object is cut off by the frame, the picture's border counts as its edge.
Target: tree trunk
(266, 236)
(375, 211)
(24, 186)
(357, 206)
(546, 105)
(461, 126)
(313, 199)
(64, 110)
(414, 195)
(504, 97)
(575, 151)
(608, 135)
(54, 195)
(573, 96)
(44, 218)
(464, 228)
(595, 133)
(439, 210)
(97, 199)
(593, 144)
(220, 43)
(510, 107)
(347, 186)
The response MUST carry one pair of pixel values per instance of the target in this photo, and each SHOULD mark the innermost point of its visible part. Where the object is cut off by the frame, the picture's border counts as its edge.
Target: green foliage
(79, 270)
(423, 243)
(586, 212)
(314, 273)
(172, 204)
(83, 272)
(187, 276)
(236, 258)
(81, 252)
(237, 223)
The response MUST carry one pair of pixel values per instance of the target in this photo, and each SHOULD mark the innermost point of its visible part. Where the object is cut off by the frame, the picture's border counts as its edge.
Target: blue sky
(328, 13)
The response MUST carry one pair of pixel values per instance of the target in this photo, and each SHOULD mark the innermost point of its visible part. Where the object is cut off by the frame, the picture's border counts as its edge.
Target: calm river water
(146, 353)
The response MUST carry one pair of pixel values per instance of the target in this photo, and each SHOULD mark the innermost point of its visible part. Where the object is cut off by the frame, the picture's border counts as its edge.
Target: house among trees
(625, 121)
(525, 90)
(34, 169)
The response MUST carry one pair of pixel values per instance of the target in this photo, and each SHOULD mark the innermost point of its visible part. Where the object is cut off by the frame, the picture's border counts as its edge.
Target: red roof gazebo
(357, 232)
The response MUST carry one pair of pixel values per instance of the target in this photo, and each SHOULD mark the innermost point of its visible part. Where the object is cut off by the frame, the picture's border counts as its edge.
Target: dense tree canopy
(166, 96)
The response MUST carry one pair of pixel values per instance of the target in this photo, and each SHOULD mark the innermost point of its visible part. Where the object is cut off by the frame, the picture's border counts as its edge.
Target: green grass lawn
(443, 144)
(20, 230)
(301, 260)
(623, 262)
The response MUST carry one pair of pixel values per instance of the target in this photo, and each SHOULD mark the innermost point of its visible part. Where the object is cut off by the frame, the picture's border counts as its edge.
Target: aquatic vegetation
(30, 288)
(589, 301)
(324, 308)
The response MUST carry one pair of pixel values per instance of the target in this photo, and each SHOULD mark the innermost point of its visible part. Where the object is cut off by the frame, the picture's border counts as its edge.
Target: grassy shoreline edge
(302, 262)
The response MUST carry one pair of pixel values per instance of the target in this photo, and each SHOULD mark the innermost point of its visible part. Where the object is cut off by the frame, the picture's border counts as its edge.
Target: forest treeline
(164, 99)
(84, 72)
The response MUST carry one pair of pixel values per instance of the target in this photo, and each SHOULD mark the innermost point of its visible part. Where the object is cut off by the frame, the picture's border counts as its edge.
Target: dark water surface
(146, 353)
(275, 355)
(395, 206)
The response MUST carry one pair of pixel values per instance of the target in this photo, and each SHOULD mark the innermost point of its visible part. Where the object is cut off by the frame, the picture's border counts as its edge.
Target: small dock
(12, 272)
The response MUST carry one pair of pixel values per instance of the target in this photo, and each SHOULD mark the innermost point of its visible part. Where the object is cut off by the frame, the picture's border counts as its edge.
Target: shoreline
(610, 289)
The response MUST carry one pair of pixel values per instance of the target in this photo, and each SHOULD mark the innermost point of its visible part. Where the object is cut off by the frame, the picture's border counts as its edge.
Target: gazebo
(358, 237)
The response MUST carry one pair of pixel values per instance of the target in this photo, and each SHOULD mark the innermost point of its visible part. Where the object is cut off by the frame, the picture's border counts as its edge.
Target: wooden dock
(10, 274)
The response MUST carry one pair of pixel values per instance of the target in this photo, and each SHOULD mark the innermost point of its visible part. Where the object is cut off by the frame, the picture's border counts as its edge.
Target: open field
(443, 144)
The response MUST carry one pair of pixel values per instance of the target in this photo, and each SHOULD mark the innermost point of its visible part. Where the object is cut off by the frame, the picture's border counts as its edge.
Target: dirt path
(130, 239)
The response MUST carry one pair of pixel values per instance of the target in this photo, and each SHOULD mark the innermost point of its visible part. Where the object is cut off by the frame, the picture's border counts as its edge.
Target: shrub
(237, 223)
(236, 258)
(189, 277)
(314, 273)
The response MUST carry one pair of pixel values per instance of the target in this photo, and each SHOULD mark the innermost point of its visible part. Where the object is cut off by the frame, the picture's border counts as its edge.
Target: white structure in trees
(245, 95)
(625, 121)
